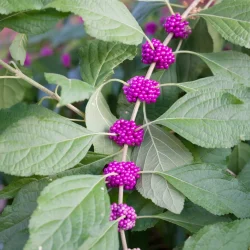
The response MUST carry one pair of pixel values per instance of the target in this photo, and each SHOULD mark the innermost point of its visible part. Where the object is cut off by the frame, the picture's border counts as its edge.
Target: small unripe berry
(162, 55)
(119, 210)
(127, 174)
(145, 90)
(126, 133)
(176, 25)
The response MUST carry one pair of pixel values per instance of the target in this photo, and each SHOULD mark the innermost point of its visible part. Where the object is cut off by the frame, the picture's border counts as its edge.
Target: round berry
(126, 133)
(119, 210)
(162, 55)
(145, 90)
(176, 25)
(127, 174)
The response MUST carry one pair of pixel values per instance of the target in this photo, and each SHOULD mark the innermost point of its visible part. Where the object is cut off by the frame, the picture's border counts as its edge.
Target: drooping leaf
(99, 118)
(244, 176)
(211, 119)
(15, 218)
(32, 22)
(79, 205)
(72, 90)
(239, 157)
(99, 58)
(12, 189)
(12, 90)
(18, 48)
(212, 188)
(192, 217)
(231, 20)
(221, 236)
(218, 40)
(227, 63)
(107, 20)
(143, 207)
(34, 140)
(160, 151)
(212, 82)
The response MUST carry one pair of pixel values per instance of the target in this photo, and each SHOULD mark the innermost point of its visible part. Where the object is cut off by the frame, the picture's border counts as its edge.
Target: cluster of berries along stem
(127, 133)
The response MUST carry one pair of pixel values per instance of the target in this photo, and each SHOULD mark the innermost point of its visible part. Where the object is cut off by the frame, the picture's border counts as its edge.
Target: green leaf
(213, 82)
(72, 90)
(34, 140)
(218, 41)
(221, 236)
(211, 119)
(244, 176)
(14, 220)
(143, 207)
(32, 22)
(231, 20)
(192, 217)
(99, 58)
(12, 189)
(107, 20)
(99, 119)
(227, 63)
(12, 90)
(160, 151)
(239, 157)
(18, 48)
(212, 188)
(79, 205)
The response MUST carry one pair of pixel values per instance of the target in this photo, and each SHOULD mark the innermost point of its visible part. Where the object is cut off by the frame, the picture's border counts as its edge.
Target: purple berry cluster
(127, 174)
(120, 210)
(176, 25)
(126, 133)
(145, 90)
(162, 55)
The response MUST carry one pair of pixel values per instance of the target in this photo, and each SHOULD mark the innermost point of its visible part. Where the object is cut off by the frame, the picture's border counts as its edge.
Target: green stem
(14, 77)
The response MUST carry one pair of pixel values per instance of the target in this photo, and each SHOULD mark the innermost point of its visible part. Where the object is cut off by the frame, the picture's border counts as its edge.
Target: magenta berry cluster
(127, 132)
(127, 174)
(145, 90)
(119, 210)
(162, 55)
(176, 25)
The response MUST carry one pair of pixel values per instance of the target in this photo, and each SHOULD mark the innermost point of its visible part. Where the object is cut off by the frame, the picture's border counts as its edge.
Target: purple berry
(126, 133)
(145, 90)
(150, 28)
(127, 174)
(119, 210)
(162, 55)
(176, 25)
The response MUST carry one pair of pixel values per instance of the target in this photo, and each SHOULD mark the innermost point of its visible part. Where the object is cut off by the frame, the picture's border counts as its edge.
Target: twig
(20, 74)
(208, 4)
(14, 77)
(169, 7)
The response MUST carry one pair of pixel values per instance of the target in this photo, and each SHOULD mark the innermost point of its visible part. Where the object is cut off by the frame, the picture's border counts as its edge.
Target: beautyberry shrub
(145, 90)
(127, 174)
(119, 210)
(126, 133)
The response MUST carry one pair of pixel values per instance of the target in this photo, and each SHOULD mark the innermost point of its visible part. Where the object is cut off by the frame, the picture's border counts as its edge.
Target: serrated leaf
(192, 217)
(244, 176)
(239, 157)
(231, 20)
(221, 236)
(32, 22)
(12, 90)
(12, 189)
(160, 151)
(227, 63)
(14, 220)
(77, 204)
(99, 58)
(99, 118)
(107, 20)
(212, 188)
(34, 140)
(18, 48)
(143, 207)
(73, 90)
(213, 82)
(211, 119)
